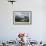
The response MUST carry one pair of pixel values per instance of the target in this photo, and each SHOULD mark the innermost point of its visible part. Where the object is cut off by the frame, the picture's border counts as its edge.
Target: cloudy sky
(22, 14)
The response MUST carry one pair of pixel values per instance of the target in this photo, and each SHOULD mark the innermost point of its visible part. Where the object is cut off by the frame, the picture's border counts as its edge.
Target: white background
(9, 31)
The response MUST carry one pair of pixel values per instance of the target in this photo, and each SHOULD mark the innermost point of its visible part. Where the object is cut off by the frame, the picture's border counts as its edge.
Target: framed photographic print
(22, 17)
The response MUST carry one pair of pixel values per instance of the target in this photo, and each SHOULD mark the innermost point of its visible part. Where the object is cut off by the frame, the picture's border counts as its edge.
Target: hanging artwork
(22, 17)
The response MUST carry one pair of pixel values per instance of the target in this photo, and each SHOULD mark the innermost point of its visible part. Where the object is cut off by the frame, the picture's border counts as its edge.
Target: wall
(9, 31)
